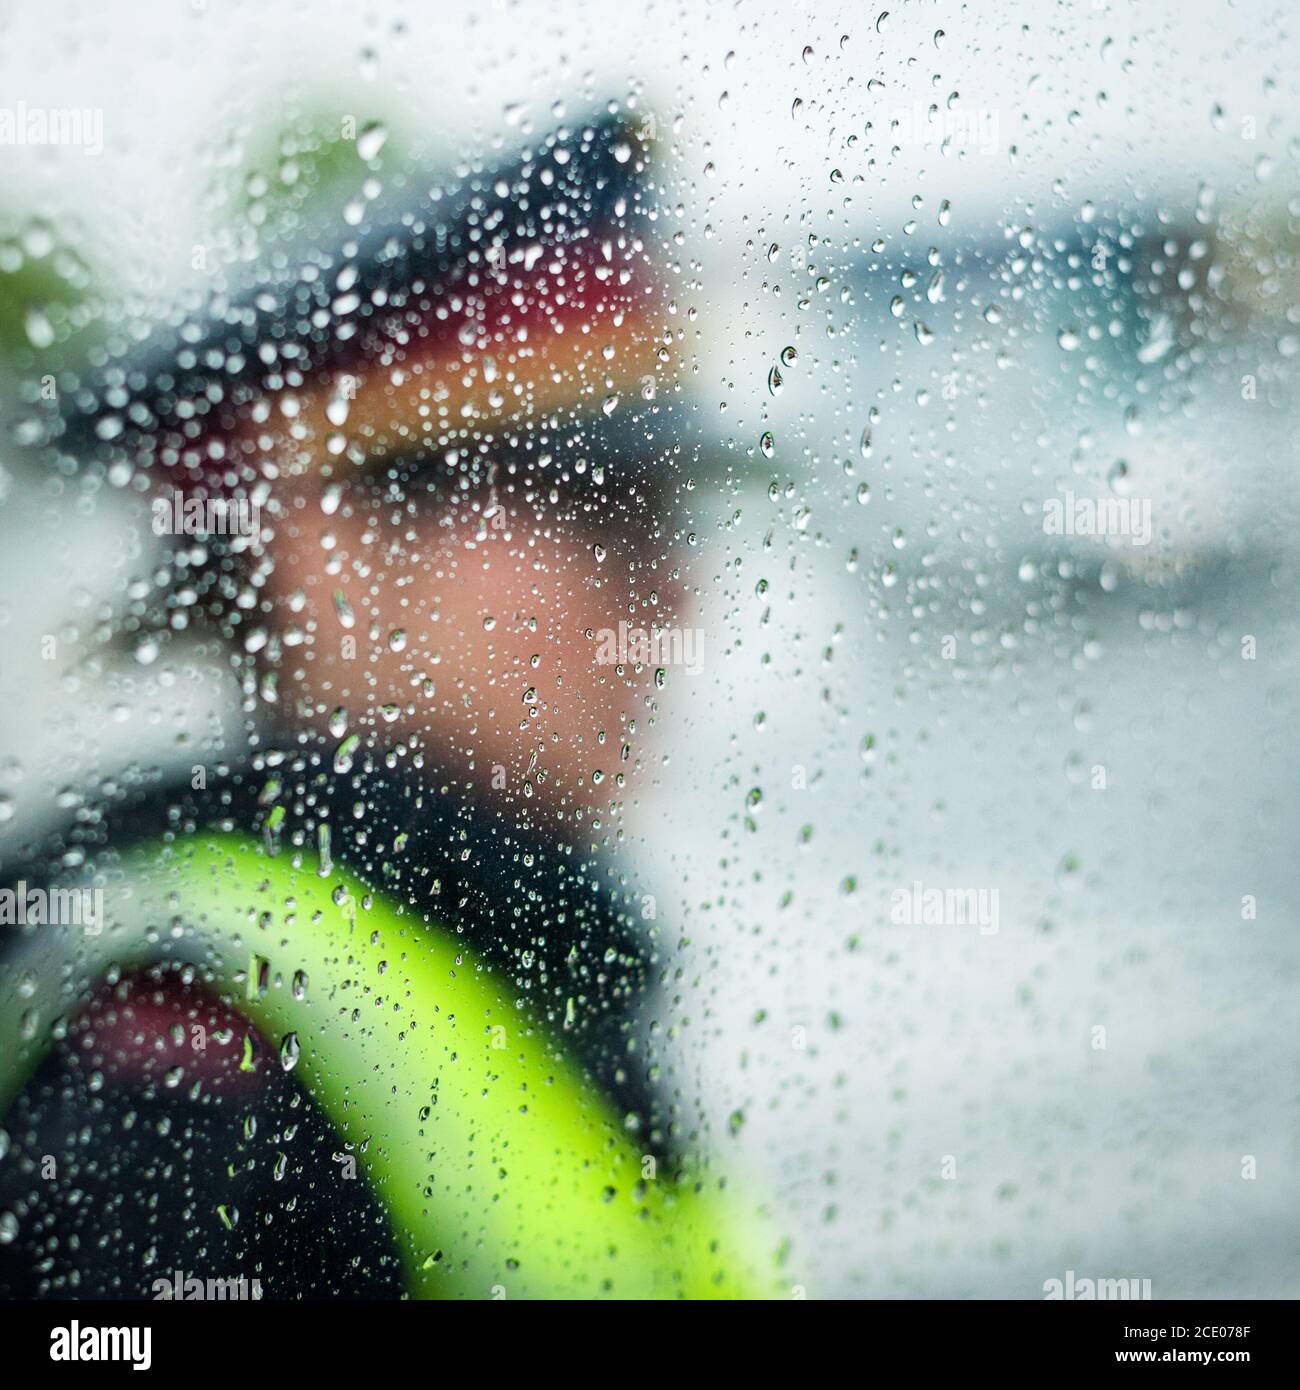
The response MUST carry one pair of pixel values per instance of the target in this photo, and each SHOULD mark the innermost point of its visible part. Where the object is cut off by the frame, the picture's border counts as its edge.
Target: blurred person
(413, 499)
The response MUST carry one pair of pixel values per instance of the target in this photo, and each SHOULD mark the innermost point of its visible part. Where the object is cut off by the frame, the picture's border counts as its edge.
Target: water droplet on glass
(289, 1051)
(371, 139)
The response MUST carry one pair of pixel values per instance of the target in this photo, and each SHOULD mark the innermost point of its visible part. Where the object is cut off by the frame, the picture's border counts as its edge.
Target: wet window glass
(648, 655)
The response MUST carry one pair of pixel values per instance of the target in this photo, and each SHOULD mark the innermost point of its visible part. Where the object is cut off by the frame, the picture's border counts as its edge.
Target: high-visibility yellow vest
(503, 1172)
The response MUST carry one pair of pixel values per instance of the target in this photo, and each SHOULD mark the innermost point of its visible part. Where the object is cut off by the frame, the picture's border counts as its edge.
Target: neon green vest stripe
(501, 1170)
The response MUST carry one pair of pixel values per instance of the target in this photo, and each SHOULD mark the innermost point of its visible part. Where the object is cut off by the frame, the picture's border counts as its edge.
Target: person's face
(475, 622)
